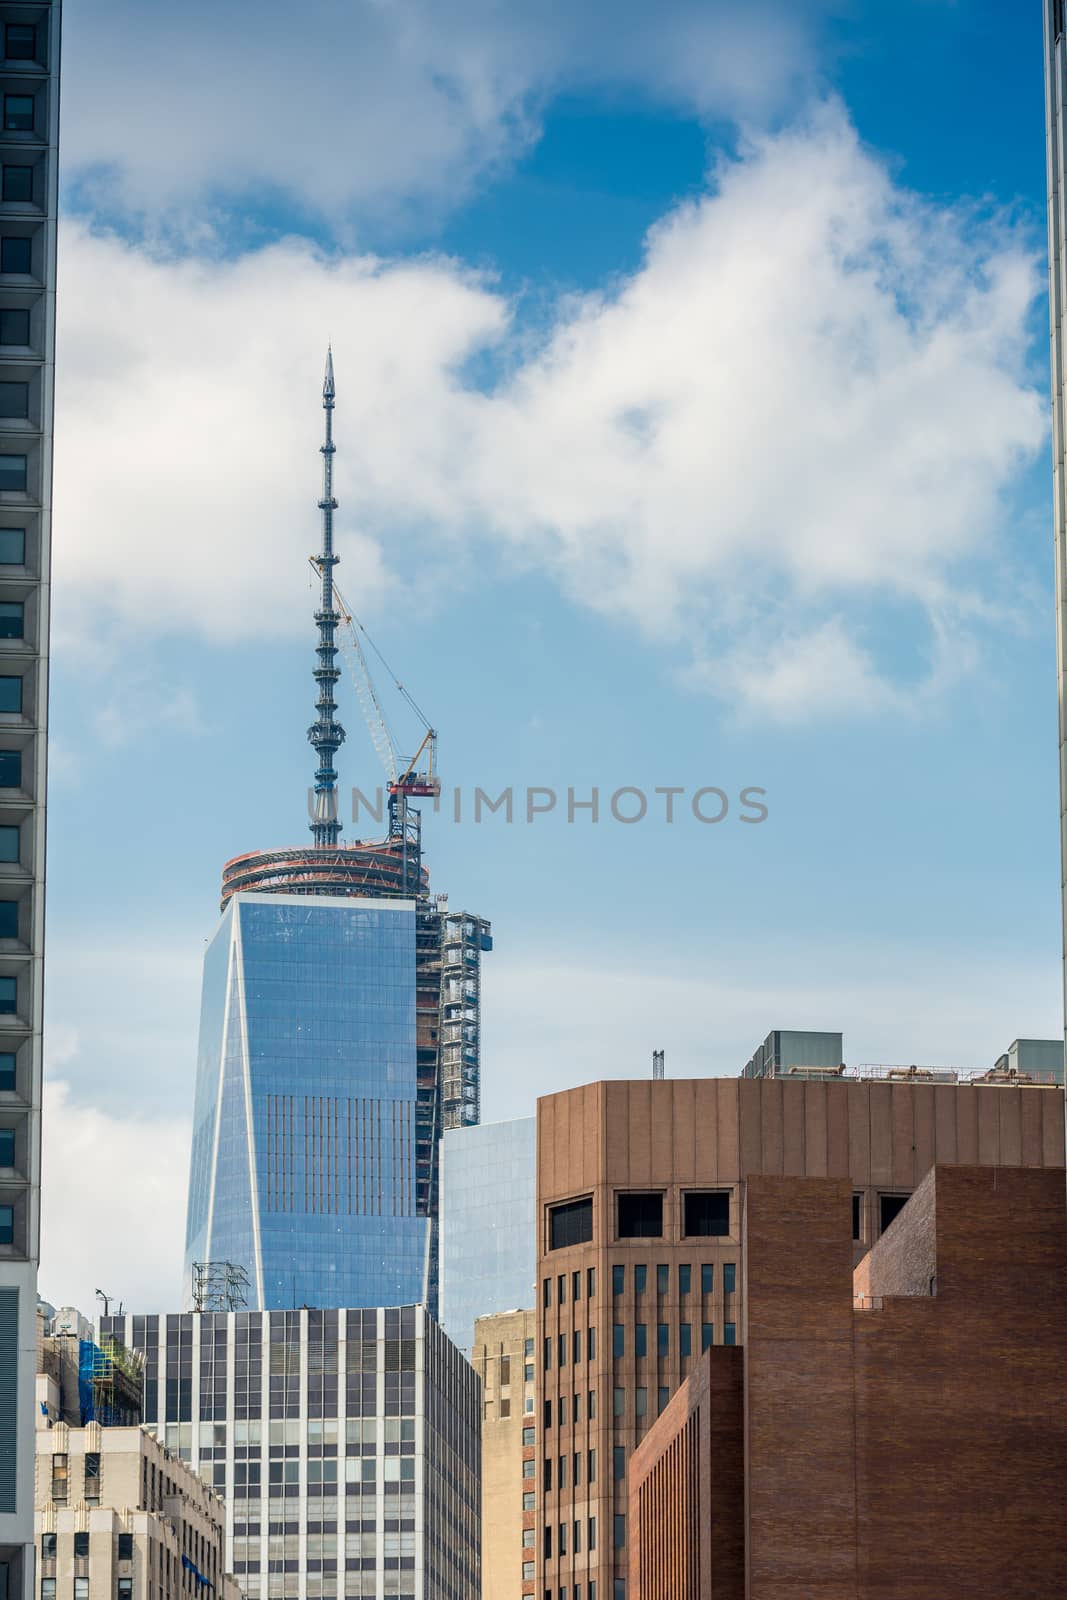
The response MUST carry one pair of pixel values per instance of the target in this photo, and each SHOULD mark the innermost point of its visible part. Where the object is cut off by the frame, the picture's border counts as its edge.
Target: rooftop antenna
(657, 1066)
(325, 734)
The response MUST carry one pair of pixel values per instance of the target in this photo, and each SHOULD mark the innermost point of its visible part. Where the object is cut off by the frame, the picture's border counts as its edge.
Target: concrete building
(346, 1444)
(118, 1518)
(29, 134)
(881, 1433)
(640, 1195)
(81, 1381)
(503, 1358)
(488, 1229)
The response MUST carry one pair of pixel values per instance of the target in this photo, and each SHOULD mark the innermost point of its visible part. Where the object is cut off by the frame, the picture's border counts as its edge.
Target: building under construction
(340, 1024)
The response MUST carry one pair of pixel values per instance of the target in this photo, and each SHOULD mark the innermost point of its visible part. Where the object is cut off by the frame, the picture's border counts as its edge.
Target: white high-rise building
(29, 131)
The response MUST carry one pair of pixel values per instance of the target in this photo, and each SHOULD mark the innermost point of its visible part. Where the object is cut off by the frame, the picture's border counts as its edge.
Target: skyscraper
(29, 130)
(339, 1028)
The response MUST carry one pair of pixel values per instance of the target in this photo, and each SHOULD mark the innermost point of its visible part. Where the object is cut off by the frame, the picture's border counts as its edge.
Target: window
(12, 617)
(685, 1339)
(12, 547)
(7, 1147)
(618, 1333)
(48, 1589)
(528, 1347)
(640, 1278)
(561, 1289)
(15, 329)
(576, 1469)
(59, 1466)
(729, 1277)
(663, 1278)
(18, 113)
(8, 996)
(619, 1402)
(546, 1292)
(562, 1481)
(663, 1339)
(1057, 18)
(857, 1216)
(571, 1223)
(9, 919)
(707, 1214)
(591, 1408)
(7, 1069)
(591, 1343)
(81, 1544)
(618, 1463)
(16, 185)
(640, 1402)
(591, 1541)
(548, 1472)
(707, 1335)
(528, 1372)
(548, 1541)
(505, 1406)
(125, 1546)
(619, 1592)
(9, 842)
(729, 1333)
(14, 400)
(16, 254)
(547, 1413)
(529, 1500)
(562, 1537)
(590, 1283)
(7, 1236)
(663, 1395)
(20, 41)
(528, 1469)
(10, 694)
(576, 1286)
(528, 1436)
(618, 1280)
(577, 1341)
(578, 1407)
(707, 1278)
(591, 1470)
(619, 1540)
(48, 1547)
(640, 1339)
(640, 1216)
(685, 1279)
(890, 1206)
(563, 1410)
(547, 1363)
(563, 1349)
(13, 474)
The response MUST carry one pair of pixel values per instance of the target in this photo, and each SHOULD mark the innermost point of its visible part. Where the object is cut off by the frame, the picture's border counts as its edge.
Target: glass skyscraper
(305, 1124)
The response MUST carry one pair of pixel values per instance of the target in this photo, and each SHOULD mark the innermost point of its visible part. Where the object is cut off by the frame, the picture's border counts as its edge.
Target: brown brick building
(641, 1205)
(893, 1433)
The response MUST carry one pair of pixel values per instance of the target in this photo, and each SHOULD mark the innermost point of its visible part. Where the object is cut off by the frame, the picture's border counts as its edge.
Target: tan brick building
(119, 1518)
(886, 1433)
(503, 1357)
(640, 1207)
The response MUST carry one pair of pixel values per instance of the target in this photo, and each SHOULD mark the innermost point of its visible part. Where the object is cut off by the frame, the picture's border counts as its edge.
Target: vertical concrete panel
(945, 1124)
(1030, 1136)
(750, 1110)
(881, 1114)
(794, 1096)
(727, 1114)
(902, 1101)
(858, 1097)
(815, 1130)
(688, 1106)
(1011, 1126)
(772, 1154)
(988, 1126)
(1052, 1128)
(967, 1126)
(620, 1156)
(838, 1163)
(923, 1132)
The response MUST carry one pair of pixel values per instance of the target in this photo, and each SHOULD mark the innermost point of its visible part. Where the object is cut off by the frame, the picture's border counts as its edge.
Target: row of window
(685, 1278)
(574, 1470)
(49, 1541)
(639, 1215)
(124, 1589)
(576, 1279)
(576, 1529)
(576, 1589)
(562, 1409)
(566, 1344)
(663, 1338)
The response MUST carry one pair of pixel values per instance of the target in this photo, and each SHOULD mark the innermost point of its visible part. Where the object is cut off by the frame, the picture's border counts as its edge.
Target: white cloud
(385, 106)
(811, 400)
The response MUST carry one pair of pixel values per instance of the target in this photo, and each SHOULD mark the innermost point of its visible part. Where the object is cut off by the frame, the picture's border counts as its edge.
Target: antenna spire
(325, 734)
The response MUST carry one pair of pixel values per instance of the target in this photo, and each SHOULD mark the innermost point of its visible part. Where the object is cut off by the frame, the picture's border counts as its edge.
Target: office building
(340, 1029)
(344, 1442)
(503, 1358)
(488, 1233)
(881, 1433)
(640, 1191)
(118, 1518)
(29, 176)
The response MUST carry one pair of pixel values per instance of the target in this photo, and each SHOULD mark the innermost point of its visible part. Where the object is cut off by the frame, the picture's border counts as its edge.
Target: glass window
(9, 919)
(707, 1335)
(663, 1339)
(10, 694)
(548, 1353)
(562, 1481)
(707, 1278)
(528, 1469)
(729, 1333)
(890, 1206)
(618, 1333)
(125, 1546)
(48, 1589)
(576, 1469)
(17, 184)
(857, 1216)
(591, 1532)
(10, 769)
(529, 1500)
(591, 1343)
(578, 1407)
(571, 1223)
(547, 1413)
(14, 400)
(707, 1214)
(729, 1277)
(576, 1286)
(640, 1278)
(663, 1395)
(548, 1472)
(7, 1225)
(546, 1292)
(577, 1340)
(18, 113)
(528, 1347)
(640, 1339)
(619, 1399)
(685, 1279)
(548, 1539)
(641, 1401)
(12, 619)
(13, 474)
(9, 842)
(81, 1544)
(640, 1216)
(685, 1339)
(562, 1537)
(7, 1147)
(618, 1463)
(561, 1289)
(563, 1410)
(590, 1409)
(48, 1546)
(125, 1589)
(20, 41)
(663, 1278)
(618, 1280)
(15, 329)
(619, 1540)
(7, 1069)
(527, 1436)
(8, 996)
(590, 1283)
(16, 254)
(563, 1349)
(12, 547)
(591, 1467)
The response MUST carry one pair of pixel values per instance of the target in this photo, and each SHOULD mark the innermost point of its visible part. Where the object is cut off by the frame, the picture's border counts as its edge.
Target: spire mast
(326, 734)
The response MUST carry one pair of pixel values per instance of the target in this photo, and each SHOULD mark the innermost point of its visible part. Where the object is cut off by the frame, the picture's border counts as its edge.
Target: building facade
(344, 1442)
(504, 1359)
(488, 1231)
(118, 1518)
(937, 1366)
(29, 85)
(640, 1191)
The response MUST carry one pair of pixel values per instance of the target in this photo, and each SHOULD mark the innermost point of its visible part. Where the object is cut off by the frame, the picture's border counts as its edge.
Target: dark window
(547, 1413)
(125, 1589)
(707, 1335)
(125, 1546)
(12, 619)
(570, 1224)
(663, 1278)
(92, 1464)
(14, 400)
(640, 1279)
(10, 700)
(590, 1284)
(16, 255)
(1057, 18)
(640, 1339)
(15, 329)
(548, 1472)
(7, 1069)
(618, 1280)
(8, 996)
(685, 1279)
(48, 1547)
(9, 919)
(10, 769)
(81, 1544)
(48, 1589)
(576, 1286)
(17, 184)
(18, 113)
(20, 41)
(618, 1340)
(663, 1339)
(577, 1340)
(590, 1467)
(729, 1277)
(591, 1344)
(890, 1206)
(618, 1462)
(707, 1278)
(685, 1339)
(707, 1215)
(857, 1216)
(547, 1365)
(12, 547)
(13, 474)
(563, 1349)
(9, 843)
(7, 1227)
(548, 1536)
(663, 1398)
(546, 1292)
(620, 1531)
(561, 1290)
(561, 1482)
(729, 1333)
(640, 1216)
(618, 1405)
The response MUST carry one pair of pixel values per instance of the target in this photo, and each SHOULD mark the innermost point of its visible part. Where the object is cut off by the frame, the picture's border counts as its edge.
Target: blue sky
(692, 431)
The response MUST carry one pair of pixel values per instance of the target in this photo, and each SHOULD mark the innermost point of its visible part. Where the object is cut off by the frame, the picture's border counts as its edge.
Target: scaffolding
(110, 1383)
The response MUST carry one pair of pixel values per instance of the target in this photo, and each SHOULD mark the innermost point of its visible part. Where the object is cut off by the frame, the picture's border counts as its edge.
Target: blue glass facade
(303, 1166)
(488, 1234)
